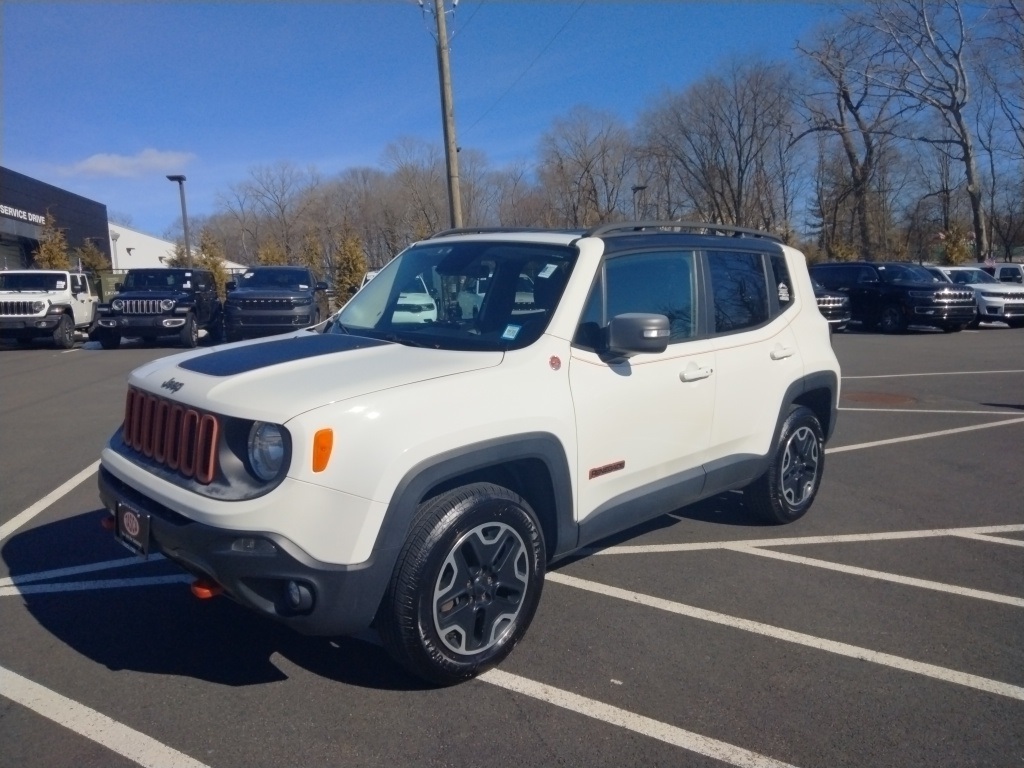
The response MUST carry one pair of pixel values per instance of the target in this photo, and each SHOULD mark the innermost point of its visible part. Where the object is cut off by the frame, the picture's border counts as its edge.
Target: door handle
(781, 353)
(695, 372)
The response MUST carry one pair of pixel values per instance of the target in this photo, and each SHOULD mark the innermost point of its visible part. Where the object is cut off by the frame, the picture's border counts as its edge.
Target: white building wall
(131, 249)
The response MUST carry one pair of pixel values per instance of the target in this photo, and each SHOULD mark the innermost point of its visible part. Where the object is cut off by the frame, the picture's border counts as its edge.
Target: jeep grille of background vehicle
(265, 303)
(182, 439)
(951, 295)
(16, 308)
(142, 307)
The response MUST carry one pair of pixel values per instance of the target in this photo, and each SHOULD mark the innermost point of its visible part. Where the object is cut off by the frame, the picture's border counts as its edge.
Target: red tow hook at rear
(108, 522)
(204, 589)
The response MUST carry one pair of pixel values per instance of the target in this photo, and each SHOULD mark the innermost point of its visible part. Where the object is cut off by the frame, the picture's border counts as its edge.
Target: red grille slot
(182, 439)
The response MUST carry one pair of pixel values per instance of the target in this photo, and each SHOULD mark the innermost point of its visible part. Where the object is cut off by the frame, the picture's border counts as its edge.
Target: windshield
(465, 295)
(288, 279)
(905, 273)
(970, 276)
(156, 280)
(33, 281)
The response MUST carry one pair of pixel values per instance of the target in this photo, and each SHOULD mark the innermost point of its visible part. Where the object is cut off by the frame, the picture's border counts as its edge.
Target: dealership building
(24, 203)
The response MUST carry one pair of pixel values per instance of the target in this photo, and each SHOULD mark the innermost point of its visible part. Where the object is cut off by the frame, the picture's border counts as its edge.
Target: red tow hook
(204, 589)
(108, 522)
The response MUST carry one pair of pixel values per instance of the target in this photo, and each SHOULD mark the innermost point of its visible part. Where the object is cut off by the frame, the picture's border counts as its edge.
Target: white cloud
(146, 162)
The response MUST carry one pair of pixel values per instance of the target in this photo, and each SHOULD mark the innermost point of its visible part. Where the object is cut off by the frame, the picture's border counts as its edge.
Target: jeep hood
(277, 379)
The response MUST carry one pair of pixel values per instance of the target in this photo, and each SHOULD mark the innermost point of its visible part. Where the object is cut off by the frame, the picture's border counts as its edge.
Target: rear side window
(662, 283)
(739, 289)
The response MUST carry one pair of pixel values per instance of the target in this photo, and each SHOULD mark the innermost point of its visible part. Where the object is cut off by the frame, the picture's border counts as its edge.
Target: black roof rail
(697, 227)
(482, 231)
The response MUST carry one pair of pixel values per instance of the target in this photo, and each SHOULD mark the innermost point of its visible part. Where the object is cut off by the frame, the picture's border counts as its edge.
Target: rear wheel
(64, 333)
(466, 584)
(787, 489)
(892, 319)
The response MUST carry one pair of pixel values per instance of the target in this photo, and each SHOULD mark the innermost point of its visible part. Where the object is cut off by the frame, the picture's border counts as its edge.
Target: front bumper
(138, 325)
(262, 323)
(257, 568)
(28, 326)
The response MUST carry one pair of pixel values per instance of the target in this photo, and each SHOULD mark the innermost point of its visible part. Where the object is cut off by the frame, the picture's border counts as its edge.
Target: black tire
(24, 341)
(891, 319)
(787, 489)
(215, 330)
(1015, 322)
(64, 333)
(466, 584)
(189, 334)
(955, 328)
(109, 339)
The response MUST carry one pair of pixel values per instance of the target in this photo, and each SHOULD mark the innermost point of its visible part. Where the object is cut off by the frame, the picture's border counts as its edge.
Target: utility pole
(451, 150)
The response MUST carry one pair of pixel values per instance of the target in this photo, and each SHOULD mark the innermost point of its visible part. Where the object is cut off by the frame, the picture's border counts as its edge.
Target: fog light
(253, 546)
(298, 596)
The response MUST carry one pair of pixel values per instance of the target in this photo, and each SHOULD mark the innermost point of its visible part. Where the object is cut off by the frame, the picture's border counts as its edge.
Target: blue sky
(104, 99)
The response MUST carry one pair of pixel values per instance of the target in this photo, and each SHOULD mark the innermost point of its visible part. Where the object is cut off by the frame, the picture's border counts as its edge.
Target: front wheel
(189, 334)
(466, 584)
(786, 490)
(64, 333)
(892, 319)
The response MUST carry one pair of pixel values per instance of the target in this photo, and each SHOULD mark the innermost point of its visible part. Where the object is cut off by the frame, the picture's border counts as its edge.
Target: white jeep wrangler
(419, 477)
(47, 303)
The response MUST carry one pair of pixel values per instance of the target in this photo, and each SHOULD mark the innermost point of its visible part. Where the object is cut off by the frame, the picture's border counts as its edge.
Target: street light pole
(448, 118)
(184, 216)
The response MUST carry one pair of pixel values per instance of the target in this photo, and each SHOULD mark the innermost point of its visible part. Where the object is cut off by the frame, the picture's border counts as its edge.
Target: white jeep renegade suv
(419, 477)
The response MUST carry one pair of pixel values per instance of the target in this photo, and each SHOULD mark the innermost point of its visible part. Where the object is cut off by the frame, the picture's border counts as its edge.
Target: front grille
(258, 304)
(954, 297)
(182, 439)
(16, 308)
(142, 307)
(832, 301)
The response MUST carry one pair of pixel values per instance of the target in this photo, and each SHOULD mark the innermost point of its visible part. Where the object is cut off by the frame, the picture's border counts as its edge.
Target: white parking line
(819, 643)
(75, 570)
(936, 586)
(82, 586)
(23, 517)
(941, 373)
(645, 726)
(119, 738)
(923, 436)
(991, 539)
(843, 538)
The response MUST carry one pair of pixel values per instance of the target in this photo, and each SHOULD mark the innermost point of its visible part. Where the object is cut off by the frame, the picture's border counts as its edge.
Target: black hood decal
(228, 362)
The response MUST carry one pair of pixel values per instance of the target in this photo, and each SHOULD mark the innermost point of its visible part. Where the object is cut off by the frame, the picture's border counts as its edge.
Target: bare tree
(586, 163)
(844, 100)
(720, 139)
(922, 50)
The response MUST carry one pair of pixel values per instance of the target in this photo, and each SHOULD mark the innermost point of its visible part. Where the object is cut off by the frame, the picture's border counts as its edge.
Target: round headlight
(117, 305)
(167, 305)
(266, 450)
(37, 306)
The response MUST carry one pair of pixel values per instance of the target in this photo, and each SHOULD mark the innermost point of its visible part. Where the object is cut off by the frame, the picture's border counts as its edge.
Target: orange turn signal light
(323, 444)
(204, 589)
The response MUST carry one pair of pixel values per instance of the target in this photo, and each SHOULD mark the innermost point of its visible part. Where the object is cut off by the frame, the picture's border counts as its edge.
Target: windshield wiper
(406, 341)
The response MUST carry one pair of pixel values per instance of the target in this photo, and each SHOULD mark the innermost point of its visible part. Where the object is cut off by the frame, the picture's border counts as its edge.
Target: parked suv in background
(268, 300)
(833, 305)
(46, 303)
(1005, 273)
(422, 475)
(1002, 302)
(891, 296)
(152, 303)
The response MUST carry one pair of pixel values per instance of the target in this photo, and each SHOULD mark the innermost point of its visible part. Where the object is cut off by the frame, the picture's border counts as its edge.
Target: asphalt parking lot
(886, 628)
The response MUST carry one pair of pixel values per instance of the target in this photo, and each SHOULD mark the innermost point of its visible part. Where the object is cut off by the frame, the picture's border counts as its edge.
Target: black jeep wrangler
(152, 303)
(268, 300)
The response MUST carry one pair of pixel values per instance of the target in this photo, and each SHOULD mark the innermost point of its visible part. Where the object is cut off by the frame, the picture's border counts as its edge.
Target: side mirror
(636, 333)
(230, 285)
(117, 286)
(321, 286)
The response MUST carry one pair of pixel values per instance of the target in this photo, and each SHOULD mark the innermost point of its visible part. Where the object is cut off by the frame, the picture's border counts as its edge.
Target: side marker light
(323, 444)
